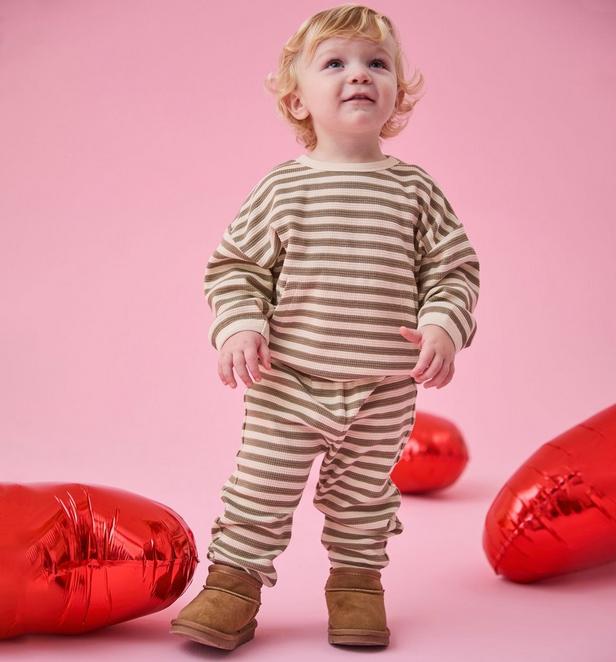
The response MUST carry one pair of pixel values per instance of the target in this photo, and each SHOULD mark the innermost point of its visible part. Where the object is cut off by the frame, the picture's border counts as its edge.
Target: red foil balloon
(557, 513)
(433, 458)
(74, 558)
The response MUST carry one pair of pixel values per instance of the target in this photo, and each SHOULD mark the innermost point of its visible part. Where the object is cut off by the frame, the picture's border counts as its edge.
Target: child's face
(340, 68)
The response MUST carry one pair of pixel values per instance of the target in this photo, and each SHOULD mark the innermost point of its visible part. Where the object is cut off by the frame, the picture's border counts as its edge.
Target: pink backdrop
(130, 133)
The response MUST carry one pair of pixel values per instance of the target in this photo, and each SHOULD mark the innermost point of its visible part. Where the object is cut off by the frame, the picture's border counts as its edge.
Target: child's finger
(412, 335)
(448, 376)
(435, 367)
(264, 354)
(242, 370)
(424, 361)
(226, 371)
(438, 378)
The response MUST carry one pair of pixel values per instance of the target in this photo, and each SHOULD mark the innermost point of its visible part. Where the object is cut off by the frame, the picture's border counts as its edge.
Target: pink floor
(444, 602)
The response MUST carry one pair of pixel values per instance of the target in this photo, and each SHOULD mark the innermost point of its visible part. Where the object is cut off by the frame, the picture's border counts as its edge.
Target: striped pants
(360, 426)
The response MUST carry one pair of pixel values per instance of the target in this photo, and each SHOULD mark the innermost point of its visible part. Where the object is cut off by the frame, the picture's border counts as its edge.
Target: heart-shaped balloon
(557, 513)
(434, 456)
(74, 557)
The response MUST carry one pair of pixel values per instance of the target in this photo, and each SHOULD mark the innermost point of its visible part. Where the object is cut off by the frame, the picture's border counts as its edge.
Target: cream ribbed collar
(336, 165)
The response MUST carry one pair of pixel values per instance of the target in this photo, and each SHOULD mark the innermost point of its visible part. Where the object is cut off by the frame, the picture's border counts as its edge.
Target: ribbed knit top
(327, 260)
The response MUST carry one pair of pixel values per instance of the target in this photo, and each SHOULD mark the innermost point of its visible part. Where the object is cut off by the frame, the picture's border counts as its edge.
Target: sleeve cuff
(218, 340)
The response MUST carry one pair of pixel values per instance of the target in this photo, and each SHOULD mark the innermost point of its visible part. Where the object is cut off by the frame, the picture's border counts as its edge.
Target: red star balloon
(557, 513)
(433, 458)
(74, 558)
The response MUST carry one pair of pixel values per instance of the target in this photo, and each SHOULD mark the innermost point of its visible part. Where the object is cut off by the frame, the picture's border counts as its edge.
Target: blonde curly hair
(347, 20)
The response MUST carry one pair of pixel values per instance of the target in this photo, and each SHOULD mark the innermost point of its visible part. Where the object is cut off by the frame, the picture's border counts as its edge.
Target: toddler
(344, 280)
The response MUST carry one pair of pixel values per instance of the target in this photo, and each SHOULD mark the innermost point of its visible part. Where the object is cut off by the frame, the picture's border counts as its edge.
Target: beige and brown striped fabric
(360, 426)
(327, 260)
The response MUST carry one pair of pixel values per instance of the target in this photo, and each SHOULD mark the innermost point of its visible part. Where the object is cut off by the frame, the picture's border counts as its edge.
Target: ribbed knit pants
(360, 426)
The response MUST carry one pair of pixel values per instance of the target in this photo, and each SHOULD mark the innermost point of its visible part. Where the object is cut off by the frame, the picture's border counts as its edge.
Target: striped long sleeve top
(327, 260)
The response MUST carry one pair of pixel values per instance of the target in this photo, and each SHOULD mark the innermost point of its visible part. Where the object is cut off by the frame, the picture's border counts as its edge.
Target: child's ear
(296, 106)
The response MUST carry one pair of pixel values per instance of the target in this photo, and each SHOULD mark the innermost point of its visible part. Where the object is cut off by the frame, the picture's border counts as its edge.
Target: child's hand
(241, 349)
(436, 356)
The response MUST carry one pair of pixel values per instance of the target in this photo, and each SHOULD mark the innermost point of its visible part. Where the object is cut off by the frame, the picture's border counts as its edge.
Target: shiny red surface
(74, 557)
(433, 458)
(557, 513)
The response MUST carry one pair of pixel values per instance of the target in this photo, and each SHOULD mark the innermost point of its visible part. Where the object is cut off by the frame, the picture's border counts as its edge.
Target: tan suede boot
(223, 614)
(356, 605)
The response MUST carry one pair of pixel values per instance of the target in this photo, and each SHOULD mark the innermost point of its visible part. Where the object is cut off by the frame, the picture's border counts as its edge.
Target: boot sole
(210, 637)
(356, 637)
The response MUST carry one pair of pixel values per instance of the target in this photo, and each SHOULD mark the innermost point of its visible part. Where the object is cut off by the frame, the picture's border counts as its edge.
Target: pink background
(131, 131)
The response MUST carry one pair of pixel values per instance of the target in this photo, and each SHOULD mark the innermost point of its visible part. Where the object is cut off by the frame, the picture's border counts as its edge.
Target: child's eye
(338, 60)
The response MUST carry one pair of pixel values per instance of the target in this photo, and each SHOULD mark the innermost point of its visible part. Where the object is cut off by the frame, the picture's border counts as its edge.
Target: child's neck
(354, 154)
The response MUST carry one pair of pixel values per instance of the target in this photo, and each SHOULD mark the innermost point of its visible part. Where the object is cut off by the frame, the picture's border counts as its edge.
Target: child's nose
(360, 76)
(358, 72)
